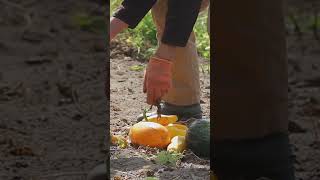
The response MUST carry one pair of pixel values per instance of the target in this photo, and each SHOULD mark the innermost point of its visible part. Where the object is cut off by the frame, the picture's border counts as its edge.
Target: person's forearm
(116, 26)
(165, 51)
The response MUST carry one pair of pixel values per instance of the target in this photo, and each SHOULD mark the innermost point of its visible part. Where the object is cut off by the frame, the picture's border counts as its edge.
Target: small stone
(69, 66)
(77, 117)
(37, 60)
(35, 37)
(150, 173)
(168, 169)
(127, 58)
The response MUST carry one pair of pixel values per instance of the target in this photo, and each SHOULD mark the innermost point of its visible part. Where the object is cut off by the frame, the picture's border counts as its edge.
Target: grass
(143, 37)
(167, 158)
(305, 22)
(90, 23)
(137, 68)
(151, 178)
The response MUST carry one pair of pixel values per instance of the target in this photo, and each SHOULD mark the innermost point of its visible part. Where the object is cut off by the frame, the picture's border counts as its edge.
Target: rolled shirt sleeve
(133, 11)
(180, 20)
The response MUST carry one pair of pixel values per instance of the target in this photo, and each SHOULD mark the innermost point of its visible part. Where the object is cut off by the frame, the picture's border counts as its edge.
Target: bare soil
(52, 101)
(127, 101)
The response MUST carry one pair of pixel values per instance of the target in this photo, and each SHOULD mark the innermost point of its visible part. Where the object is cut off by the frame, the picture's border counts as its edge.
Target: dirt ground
(52, 102)
(126, 102)
(304, 92)
(304, 105)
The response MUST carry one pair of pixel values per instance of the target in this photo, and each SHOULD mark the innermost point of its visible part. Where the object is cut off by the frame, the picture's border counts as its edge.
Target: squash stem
(145, 113)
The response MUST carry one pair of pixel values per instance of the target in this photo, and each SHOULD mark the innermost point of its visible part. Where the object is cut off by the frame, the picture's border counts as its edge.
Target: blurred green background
(143, 37)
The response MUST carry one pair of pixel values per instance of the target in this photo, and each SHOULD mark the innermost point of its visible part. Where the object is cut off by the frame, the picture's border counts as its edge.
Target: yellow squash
(179, 126)
(113, 139)
(176, 130)
(118, 140)
(177, 145)
(149, 134)
(163, 120)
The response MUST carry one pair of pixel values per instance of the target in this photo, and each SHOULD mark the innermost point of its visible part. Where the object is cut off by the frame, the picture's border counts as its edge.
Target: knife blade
(158, 109)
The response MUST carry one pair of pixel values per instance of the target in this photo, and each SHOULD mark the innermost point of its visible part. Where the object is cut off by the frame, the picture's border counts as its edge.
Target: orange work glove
(157, 79)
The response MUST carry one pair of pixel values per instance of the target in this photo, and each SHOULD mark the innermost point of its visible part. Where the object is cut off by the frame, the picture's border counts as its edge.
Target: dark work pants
(268, 157)
(250, 90)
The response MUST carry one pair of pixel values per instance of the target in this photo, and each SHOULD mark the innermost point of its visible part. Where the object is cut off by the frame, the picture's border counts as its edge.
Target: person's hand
(157, 80)
(116, 26)
(158, 75)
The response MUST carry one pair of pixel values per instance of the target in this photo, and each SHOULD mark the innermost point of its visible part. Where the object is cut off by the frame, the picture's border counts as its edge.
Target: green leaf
(88, 22)
(122, 143)
(168, 158)
(151, 178)
(137, 68)
(145, 115)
